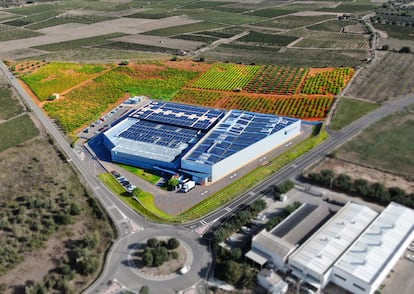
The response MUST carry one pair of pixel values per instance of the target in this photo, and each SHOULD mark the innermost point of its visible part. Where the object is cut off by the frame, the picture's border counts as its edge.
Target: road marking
(203, 222)
(228, 209)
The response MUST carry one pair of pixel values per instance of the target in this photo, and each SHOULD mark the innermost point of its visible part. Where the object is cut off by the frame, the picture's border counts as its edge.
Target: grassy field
(269, 39)
(387, 145)
(17, 131)
(74, 44)
(10, 106)
(350, 110)
(142, 173)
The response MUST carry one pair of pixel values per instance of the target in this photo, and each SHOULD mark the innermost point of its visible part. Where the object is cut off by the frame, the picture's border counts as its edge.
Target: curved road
(133, 229)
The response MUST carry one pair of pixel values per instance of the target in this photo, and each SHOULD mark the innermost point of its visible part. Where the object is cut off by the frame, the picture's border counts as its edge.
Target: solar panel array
(188, 116)
(160, 134)
(240, 130)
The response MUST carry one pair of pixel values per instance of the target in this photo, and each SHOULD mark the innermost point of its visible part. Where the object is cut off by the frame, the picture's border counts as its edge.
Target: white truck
(187, 186)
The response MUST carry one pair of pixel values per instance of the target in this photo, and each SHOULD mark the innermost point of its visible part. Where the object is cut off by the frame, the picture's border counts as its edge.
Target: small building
(272, 282)
(276, 245)
(312, 262)
(363, 267)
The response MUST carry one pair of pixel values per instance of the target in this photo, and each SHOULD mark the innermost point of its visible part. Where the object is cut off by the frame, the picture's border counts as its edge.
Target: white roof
(321, 250)
(367, 257)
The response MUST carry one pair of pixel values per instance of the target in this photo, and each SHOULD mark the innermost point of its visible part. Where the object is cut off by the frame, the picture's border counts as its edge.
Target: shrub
(153, 243)
(173, 243)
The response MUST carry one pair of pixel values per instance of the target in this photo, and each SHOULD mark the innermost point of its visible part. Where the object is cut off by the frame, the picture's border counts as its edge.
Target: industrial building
(204, 143)
(276, 245)
(355, 249)
(363, 267)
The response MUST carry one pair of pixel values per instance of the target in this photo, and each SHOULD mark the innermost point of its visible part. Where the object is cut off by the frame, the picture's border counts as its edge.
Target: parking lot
(400, 279)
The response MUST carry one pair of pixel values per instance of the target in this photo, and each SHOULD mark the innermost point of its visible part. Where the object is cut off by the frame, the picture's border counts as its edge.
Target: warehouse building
(240, 137)
(363, 267)
(276, 245)
(313, 261)
(204, 143)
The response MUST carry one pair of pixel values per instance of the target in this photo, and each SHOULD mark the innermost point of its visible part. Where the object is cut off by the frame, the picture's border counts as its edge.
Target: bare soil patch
(356, 171)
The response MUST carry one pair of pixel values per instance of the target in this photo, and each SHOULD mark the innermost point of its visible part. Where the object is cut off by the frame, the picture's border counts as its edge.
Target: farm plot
(301, 106)
(335, 26)
(10, 106)
(8, 33)
(277, 80)
(328, 82)
(293, 21)
(385, 80)
(227, 17)
(226, 76)
(360, 42)
(182, 29)
(269, 39)
(84, 19)
(57, 77)
(17, 130)
(85, 104)
(22, 21)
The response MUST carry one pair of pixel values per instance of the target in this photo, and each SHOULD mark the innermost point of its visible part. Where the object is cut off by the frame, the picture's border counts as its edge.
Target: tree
(378, 191)
(152, 242)
(284, 187)
(230, 271)
(92, 240)
(248, 279)
(405, 49)
(173, 243)
(172, 183)
(144, 290)
(148, 257)
(220, 234)
(235, 253)
(87, 265)
(343, 182)
(160, 255)
(361, 187)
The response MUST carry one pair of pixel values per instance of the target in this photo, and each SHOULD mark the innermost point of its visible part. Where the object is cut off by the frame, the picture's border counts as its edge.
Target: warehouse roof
(321, 251)
(238, 130)
(367, 257)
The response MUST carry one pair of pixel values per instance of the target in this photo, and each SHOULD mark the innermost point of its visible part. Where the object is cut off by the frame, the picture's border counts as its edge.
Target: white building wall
(235, 161)
(354, 285)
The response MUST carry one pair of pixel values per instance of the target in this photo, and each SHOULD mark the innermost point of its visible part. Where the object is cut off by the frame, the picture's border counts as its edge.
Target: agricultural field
(8, 33)
(397, 31)
(58, 77)
(268, 39)
(227, 18)
(294, 21)
(349, 110)
(277, 80)
(301, 106)
(85, 19)
(78, 43)
(385, 80)
(226, 76)
(10, 106)
(328, 82)
(182, 29)
(87, 103)
(386, 145)
(16, 131)
(335, 26)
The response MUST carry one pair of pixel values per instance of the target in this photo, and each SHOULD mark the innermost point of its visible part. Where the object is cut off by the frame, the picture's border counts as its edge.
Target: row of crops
(226, 76)
(271, 79)
(302, 106)
(328, 82)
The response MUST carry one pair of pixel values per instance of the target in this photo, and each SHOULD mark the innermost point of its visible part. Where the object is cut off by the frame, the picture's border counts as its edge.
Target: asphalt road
(133, 229)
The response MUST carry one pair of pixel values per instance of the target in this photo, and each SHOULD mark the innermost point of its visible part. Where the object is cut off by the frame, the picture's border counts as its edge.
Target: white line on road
(228, 209)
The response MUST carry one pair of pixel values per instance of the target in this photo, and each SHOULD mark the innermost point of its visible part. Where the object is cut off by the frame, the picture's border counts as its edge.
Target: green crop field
(8, 33)
(83, 105)
(294, 21)
(227, 17)
(331, 25)
(135, 47)
(177, 30)
(226, 76)
(9, 106)
(388, 145)
(57, 77)
(271, 12)
(350, 110)
(92, 41)
(358, 7)
(85, 19)
(16, 131)
(22, 21)
(269, 39)
(155, 13)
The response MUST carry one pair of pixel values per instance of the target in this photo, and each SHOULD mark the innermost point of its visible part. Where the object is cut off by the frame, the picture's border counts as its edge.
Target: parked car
(116, 174)
(411, 248)
(410, 257)
(130, 188)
